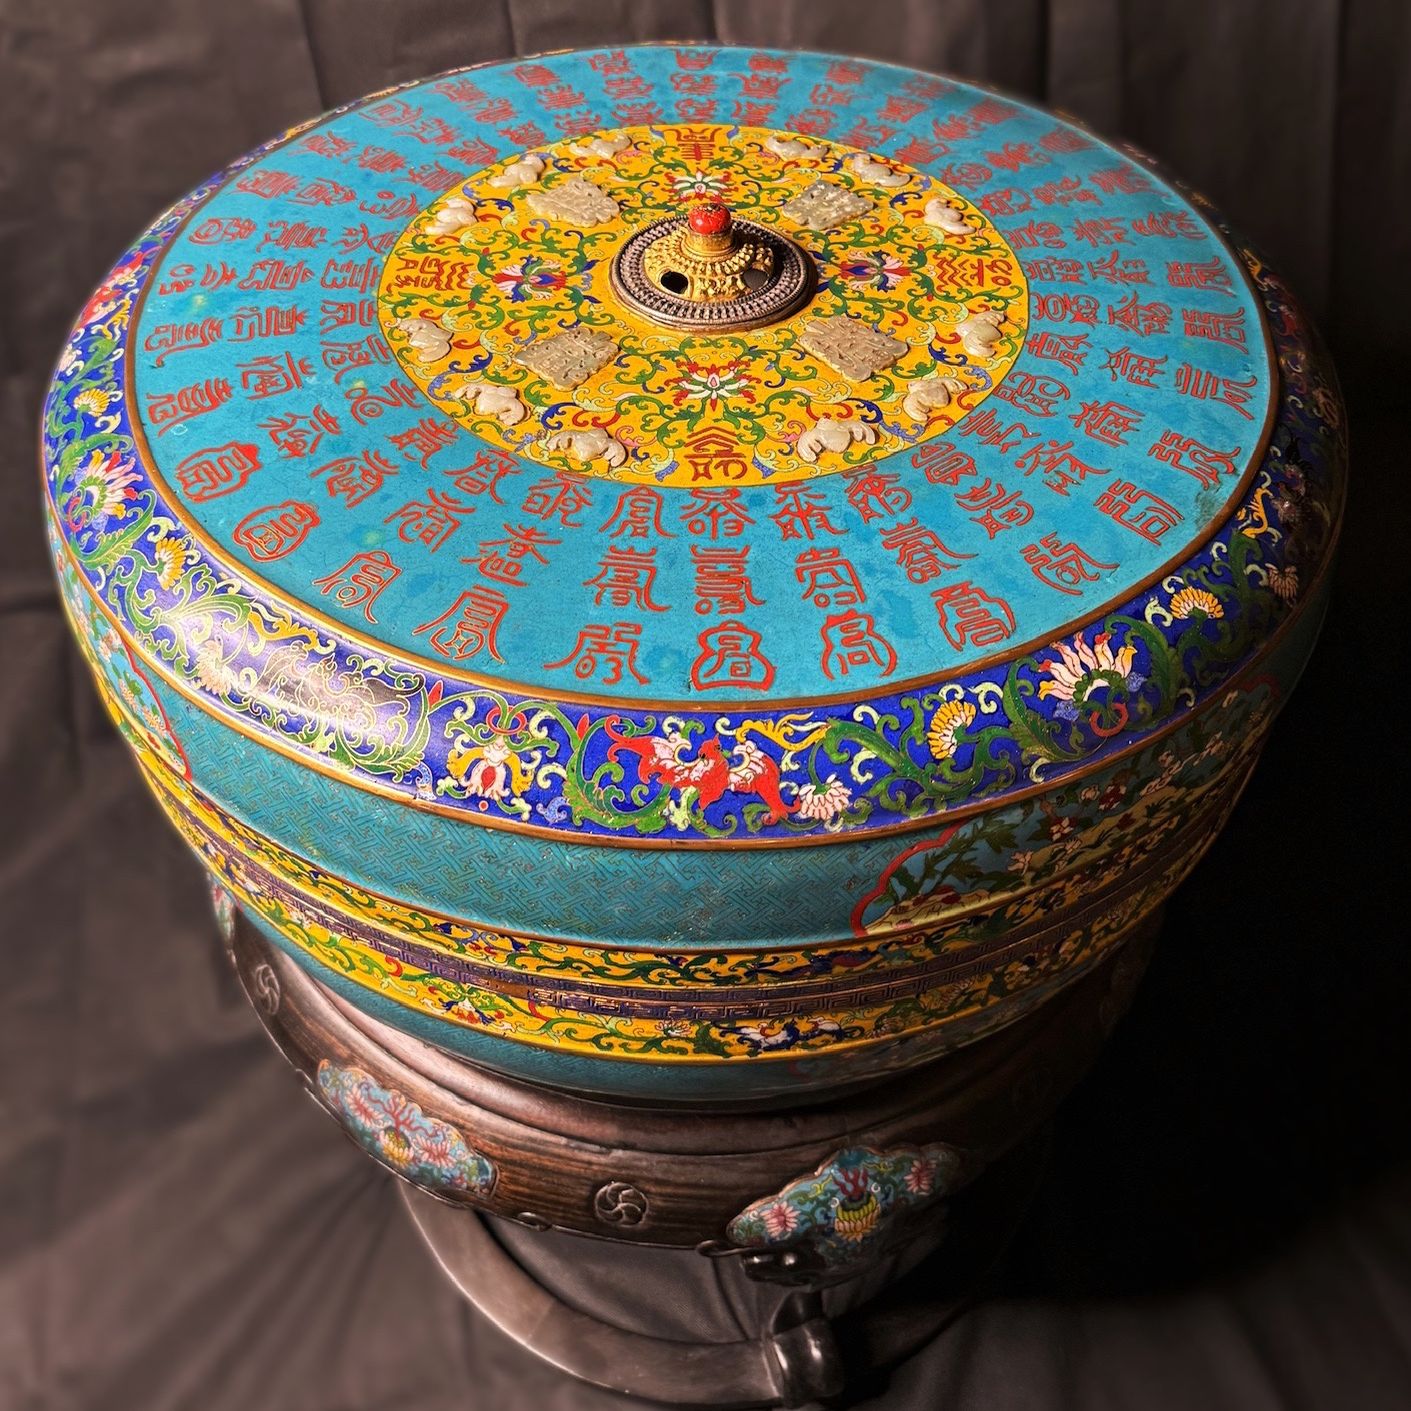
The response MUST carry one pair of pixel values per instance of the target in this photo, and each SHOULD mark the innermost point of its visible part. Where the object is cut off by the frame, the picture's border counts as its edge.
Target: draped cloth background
(1225, 1222)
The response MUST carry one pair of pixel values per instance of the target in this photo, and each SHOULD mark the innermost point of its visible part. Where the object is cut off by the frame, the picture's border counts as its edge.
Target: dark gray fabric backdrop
(1225, 1223)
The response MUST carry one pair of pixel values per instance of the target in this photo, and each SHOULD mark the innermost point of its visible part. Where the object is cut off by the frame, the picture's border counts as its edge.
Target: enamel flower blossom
(1082, 669)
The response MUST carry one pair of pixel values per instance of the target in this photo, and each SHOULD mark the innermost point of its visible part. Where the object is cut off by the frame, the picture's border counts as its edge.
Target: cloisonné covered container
(693, 573)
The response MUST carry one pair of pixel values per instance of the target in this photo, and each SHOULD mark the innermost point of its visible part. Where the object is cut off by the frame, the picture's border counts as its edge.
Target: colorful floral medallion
(845, 1209)
(394, 1129)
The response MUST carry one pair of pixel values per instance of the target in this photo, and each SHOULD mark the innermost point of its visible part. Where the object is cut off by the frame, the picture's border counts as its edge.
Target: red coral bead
(709, 218)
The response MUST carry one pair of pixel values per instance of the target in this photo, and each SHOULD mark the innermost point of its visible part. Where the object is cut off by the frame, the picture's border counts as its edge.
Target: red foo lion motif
(661, 758)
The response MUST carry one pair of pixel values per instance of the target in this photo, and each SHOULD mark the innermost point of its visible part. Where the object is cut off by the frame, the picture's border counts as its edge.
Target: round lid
(673, 443)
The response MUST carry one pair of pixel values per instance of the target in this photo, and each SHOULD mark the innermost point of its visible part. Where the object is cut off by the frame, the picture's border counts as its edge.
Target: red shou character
(1070, 349)
(350, 274)
(825, 95)
(942, 463)
(1208, 386)
(625, 577)
(322, 192)
(483, 475)
(295, 436)
(801, 511)
(433, 176)
(361, 236)
(1168, 224)
(699, 85)
(1208, 274)
(851, 639)
(356, 356)
(1037, 234)
(178, 279)
(356, 478)
(609, 645)
(714, 455)
(646, 114)
(275, 530)
(927, 87)
(168, 409)
(1135, 368)
(1114, 270)
(422, 441)
(181, 338)
(367, 405)
(1064, 566)
(730, 656)
(390, 206)
(918, 152)
(218, 276)
(524, 134)
(293, 235)
(964, 176)
(433, 132)
(813, 122)
(828, 578)
(696, 144)
(614, 61)
(561, 496)
(901, 110)
(463, 92)
(955, 128)
(392, 112)
(989, 111)
(867, 135)
(920, 551)
(1014, 155)
(1046, 270)
(325, 144)
(470, 625)
(217, 470)
(360, 581)
(1144, 319)
(434, 272)
(1031, 394)
(1064, 139)
(1185, 453)
(274, 275)
(266, 321)
(722, 579)
(844, 71)
(876, 494)
(503, 559)
(1218, 328)
(1109, 422)
(271, 376)
(346, 313)
(269, 185)
(1063, 192)
(1102, 230)
(215, 231)
(1138, 510)
(993, 432)
(1124, 180)
(1007, 201)
(994, 508)
(716, 513)
(626, 87)
(970, 617)
(381, 160)
(430, 521)
(638, 515)
(1058, 467)
(472, 151)
(535, 75)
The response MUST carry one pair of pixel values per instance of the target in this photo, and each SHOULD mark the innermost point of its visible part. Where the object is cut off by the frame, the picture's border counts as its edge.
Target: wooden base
(940, 1158)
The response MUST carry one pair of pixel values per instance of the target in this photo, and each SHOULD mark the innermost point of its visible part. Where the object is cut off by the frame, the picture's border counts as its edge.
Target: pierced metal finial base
(765, 279)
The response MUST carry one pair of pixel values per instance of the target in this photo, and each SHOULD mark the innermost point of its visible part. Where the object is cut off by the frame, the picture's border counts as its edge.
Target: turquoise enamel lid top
(678, 443)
